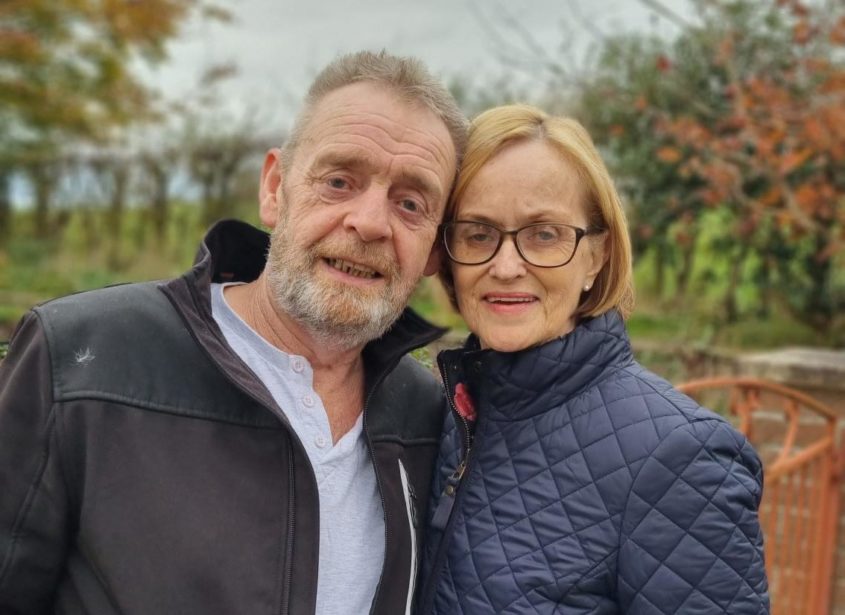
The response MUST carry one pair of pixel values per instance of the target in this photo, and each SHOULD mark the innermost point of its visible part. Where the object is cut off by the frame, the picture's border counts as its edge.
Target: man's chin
(349, 317)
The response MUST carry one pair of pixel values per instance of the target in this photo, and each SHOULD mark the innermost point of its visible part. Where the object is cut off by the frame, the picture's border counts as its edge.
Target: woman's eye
(480, 237)
(542, 235)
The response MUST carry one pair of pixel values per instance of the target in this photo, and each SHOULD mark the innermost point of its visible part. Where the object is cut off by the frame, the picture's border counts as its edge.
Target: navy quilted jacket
(591, 486)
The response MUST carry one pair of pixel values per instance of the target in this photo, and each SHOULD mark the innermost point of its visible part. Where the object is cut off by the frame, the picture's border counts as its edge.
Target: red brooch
(463, 402)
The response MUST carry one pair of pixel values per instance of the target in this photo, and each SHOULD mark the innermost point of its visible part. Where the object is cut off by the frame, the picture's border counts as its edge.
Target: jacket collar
(517, 385)
(234, 251)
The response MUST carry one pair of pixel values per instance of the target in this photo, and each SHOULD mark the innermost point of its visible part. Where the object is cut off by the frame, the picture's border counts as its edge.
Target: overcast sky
(278, 45)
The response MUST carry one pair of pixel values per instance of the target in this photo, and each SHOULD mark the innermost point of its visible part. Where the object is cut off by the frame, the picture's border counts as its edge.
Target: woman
(571, 479)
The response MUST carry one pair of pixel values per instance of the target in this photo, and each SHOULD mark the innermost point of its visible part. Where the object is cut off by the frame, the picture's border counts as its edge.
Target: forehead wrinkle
(363, 160)
(350, 149)
(428, 140)
(424, 156)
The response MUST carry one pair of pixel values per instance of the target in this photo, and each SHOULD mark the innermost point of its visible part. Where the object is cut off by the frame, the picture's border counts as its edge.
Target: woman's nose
(507, 263)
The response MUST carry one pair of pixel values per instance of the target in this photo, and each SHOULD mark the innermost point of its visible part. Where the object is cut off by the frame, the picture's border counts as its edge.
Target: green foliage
(740, 116)
(84, 256)
(66, 66)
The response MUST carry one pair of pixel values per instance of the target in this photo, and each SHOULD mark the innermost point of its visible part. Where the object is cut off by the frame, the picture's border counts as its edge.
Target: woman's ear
(599, 250)
(269, 189)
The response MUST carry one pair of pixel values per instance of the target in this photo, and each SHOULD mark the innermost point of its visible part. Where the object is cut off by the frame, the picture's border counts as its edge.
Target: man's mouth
(354, 269)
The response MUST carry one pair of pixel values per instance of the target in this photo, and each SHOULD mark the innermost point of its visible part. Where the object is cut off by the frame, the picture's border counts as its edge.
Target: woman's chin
(503, 340)
(508, 343)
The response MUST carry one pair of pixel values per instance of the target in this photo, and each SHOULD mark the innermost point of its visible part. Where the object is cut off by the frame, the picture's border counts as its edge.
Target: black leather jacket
(144, 469)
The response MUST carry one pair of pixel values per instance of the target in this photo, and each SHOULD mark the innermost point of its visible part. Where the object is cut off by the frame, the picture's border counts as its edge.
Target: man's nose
(370, 215)
(507, 263)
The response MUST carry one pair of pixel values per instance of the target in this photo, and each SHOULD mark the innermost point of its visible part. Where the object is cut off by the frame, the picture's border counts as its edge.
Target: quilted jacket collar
(518, 385)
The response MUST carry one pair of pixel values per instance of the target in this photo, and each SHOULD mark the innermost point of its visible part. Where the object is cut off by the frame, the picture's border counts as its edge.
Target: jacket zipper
(380, 491)
(379, 483)
(288, 574)
(408, 493)
(446, 503)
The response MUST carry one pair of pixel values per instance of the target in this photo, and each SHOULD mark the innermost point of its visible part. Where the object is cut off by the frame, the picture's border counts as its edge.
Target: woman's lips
(509, 303)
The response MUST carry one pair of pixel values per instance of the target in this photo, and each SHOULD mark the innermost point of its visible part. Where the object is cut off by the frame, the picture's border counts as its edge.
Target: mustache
(366, 254)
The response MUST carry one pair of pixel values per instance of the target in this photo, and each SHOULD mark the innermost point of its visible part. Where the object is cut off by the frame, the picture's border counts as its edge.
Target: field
(84, 256)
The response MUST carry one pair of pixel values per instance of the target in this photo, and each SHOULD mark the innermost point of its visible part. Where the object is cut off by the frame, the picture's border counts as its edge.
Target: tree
(745, 112)
(66, 71)
(634, 86)
(776, 148)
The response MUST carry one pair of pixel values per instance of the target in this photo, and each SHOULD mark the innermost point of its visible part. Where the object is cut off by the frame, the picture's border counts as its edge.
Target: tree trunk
(117, 206)
(818, 308)
(734, 276)
(661, 250)
(42, 184)
(685, 272)
(158, 205)
(5, 206)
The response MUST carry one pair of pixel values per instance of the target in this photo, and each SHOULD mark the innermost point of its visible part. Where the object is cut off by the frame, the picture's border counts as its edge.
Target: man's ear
(269, 190)
(432, 265)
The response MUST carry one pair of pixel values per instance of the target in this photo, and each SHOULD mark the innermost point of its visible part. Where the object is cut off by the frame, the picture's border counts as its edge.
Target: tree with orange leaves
(759, 133)
(66, 71)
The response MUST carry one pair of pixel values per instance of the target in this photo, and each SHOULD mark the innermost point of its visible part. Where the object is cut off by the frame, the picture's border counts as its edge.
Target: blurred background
(128, 126)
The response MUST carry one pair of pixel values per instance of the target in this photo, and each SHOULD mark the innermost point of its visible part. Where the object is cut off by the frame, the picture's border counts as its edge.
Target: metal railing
(795, 436)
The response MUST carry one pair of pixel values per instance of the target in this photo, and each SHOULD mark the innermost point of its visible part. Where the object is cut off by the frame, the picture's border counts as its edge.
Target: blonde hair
(499, 127)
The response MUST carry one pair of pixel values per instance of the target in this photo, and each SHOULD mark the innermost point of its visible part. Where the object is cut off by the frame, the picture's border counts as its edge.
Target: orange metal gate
(795, 437)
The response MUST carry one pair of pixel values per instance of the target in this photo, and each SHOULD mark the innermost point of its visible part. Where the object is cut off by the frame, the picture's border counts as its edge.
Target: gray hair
(407, 77)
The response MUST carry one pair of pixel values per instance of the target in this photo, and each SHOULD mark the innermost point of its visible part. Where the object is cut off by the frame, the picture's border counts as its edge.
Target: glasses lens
(547, 245)
(471, 243)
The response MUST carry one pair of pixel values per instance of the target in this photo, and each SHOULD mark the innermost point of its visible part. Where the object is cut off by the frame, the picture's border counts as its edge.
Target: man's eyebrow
(339, 160)
(362, 162)
(421, 184)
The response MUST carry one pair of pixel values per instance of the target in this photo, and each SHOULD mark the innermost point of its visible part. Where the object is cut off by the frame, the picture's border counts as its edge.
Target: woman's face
(508, 303)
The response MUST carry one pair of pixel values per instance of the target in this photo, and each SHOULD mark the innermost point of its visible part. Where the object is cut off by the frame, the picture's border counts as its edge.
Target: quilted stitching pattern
(595, 487)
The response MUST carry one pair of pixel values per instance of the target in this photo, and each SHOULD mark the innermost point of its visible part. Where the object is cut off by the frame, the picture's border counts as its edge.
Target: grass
(85, 256)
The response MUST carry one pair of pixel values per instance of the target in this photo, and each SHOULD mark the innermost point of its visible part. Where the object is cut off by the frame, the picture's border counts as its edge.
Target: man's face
(355, 216)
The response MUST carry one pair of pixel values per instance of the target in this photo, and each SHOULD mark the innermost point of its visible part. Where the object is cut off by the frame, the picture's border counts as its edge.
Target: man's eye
(338, 183)
(410, 206)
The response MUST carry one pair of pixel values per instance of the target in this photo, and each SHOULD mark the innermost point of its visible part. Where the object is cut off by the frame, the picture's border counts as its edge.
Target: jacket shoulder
(108, 326)
(128, 344)
(634, 395)
(410, 403)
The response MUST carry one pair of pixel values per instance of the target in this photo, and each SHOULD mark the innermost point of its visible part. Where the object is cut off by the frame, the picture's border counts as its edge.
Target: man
(259, 446)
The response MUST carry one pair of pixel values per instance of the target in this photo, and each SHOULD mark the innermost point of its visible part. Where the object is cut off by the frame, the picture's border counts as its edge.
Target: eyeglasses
(540, 244)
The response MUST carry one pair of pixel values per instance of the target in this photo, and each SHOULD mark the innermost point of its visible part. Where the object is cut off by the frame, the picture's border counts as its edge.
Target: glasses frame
(580, 233)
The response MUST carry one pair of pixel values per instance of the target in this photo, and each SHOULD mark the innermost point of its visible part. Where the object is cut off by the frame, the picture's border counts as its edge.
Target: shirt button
(297, 365)
(308, 401)
(320, 441)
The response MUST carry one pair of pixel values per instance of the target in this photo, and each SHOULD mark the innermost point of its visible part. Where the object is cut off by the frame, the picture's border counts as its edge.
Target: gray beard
(334, 315)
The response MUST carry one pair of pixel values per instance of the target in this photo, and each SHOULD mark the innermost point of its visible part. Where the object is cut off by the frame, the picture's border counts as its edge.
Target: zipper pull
(447, 498)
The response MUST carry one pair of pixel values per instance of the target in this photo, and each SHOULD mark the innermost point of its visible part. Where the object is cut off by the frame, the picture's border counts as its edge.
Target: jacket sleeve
(691, 540)
(33, 503)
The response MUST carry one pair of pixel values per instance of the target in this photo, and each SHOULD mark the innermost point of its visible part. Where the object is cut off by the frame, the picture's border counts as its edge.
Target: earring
(586, 287)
